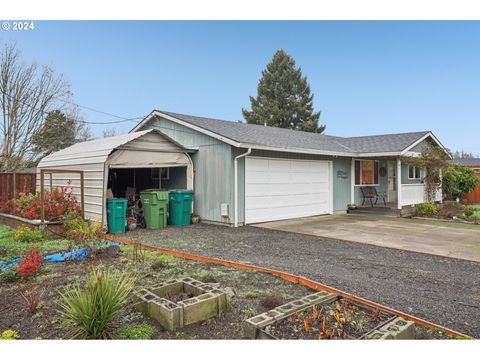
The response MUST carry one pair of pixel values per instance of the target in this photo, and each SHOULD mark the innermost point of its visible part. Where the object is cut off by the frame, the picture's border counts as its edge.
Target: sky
(368, 77)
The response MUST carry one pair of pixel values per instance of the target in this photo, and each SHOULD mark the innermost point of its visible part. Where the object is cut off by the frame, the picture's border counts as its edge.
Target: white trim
(429, 134)
(235, 185)
(415, 172)
(352, 181)
(188, 125)
(399, 183)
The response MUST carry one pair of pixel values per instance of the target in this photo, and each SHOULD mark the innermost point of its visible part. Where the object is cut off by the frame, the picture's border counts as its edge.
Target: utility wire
(123, 119)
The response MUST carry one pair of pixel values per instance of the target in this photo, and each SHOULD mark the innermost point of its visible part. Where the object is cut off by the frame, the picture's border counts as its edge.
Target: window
(413, 172)
(366, 172)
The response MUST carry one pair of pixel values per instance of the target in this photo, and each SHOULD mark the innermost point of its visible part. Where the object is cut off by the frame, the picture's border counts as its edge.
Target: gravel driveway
(444, 291)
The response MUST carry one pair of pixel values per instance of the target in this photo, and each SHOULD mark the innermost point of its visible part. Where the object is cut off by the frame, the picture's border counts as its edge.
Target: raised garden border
(208, 302)
(15, 221)
(393, 328)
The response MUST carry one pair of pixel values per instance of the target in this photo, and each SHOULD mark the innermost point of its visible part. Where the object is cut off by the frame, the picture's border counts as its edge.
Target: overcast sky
(367, 77)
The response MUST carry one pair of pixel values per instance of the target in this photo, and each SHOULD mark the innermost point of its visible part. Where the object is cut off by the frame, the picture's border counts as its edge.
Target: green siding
(382, 186)
(213, 168)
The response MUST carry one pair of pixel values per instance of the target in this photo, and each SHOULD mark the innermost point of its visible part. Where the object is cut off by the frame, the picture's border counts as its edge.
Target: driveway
(457, 240)
(443, 290)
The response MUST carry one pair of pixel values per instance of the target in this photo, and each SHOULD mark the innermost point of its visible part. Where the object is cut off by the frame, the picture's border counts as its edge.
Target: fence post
(42, 197)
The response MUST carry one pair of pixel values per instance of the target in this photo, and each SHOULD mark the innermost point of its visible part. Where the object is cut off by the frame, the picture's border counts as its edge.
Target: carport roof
(272, 138)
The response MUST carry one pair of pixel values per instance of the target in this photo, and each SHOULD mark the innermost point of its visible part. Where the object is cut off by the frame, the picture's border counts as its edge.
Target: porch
(397, 186)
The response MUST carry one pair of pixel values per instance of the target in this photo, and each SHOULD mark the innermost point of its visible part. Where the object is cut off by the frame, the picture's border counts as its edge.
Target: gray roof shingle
(467, 162)
(290, 139)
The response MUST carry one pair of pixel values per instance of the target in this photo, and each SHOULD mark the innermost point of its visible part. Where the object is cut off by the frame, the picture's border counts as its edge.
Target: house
(474, 164)
(242, 173)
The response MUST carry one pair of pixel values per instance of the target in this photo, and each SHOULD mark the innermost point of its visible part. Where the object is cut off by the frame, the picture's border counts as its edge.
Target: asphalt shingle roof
(290, 139)
(467, 162)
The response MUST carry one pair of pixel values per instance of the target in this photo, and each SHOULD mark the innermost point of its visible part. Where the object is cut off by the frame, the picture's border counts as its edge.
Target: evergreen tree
(283, 98)
(58, 131)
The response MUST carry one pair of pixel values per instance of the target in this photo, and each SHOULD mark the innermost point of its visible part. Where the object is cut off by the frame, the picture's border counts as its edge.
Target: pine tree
(283, 98)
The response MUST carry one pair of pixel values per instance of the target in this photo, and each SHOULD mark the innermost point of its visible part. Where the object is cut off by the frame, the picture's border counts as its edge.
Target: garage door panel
(278, 189)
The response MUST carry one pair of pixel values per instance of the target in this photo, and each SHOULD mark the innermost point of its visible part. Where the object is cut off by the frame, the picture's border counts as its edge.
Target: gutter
(235, 183)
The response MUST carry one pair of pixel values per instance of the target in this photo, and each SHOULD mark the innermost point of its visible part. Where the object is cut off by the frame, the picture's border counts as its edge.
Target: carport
(120, 166)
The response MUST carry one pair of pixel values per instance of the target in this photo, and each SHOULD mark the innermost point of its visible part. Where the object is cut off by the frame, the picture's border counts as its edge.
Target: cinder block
(222, 299)
(167, 313)
(400, 329)
(379, 335)
(168, 288)
(199, 308)
(319, 297)
(192, 289)
(251, 326)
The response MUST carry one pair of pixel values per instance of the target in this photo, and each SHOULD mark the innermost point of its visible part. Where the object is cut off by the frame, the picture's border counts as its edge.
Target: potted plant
(195, 218)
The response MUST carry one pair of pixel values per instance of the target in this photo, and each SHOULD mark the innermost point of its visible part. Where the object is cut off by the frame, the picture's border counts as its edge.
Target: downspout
(235, 183)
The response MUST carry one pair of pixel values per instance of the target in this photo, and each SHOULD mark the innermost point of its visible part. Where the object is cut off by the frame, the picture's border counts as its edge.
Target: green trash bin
(155, 208)
(180, 204)
(116, 215)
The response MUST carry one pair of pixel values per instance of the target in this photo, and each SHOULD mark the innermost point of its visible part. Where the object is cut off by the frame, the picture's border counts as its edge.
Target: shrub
(9, 335)
(139, 332)
(32, 297)
(450, 209)
(26, 234)
(426, 209)
(8, 276)
(251, 295)
(89, 313)
(469, 211)
(31, 264)
(80, 230)
(459, 180)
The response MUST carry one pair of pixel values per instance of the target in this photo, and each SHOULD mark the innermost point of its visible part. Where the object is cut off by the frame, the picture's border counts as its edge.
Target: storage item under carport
(155, 208)
(116, 215)
(180, 205)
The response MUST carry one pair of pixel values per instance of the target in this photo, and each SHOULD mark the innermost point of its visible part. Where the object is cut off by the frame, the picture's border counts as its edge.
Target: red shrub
(31, 264)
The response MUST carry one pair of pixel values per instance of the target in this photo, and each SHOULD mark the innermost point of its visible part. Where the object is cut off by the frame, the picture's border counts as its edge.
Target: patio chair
(370, 192)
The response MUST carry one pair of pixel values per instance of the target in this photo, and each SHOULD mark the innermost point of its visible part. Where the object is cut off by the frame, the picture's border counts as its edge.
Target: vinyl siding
(213, 168)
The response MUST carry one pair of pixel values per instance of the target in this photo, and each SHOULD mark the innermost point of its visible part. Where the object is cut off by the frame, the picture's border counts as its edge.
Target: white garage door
(277, 189)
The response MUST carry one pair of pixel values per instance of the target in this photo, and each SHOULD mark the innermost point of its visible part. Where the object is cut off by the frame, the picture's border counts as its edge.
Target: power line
(123, 119)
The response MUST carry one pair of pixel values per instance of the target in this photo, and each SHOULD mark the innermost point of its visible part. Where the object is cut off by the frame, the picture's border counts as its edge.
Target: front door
(392, 181)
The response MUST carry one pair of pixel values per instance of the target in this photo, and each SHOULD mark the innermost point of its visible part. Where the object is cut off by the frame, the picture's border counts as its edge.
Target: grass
(9, 247)
(136, 332)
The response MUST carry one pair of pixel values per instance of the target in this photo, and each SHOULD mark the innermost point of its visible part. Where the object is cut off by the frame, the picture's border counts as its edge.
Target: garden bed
(249, 293)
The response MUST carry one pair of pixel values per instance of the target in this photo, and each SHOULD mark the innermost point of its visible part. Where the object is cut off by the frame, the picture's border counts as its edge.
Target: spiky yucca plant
(89, 312)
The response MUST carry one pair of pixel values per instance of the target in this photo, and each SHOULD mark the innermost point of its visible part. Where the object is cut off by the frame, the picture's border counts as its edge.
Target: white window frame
(416, 171)
(378, 174)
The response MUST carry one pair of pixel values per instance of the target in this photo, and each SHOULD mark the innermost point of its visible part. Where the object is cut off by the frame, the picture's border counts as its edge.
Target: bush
(26, 234)
(8, 276)
(80, 230)
(426, 209)
(9, 335)
(450, 209)
(139, 332)
(31, 264)
(459, 180)
(469, 211)
(89, 313)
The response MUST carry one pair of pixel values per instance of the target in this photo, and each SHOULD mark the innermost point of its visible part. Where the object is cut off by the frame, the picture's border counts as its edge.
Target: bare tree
(109, 133)
(27, 93)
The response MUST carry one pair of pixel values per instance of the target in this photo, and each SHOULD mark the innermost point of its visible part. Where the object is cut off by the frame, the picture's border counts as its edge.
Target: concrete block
(319, 297)
(400, 329)
(222, 299)
(168, 289)
(167, 313)
(199, 308)
(192, 289)
(251, 326)
(379, 335)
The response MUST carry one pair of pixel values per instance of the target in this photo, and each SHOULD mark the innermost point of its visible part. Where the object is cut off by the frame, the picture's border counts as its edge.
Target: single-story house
(244, 173)
(474, 164)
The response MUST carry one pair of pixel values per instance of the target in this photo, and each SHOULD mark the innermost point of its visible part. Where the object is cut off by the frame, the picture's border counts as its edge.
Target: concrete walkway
(456, 240)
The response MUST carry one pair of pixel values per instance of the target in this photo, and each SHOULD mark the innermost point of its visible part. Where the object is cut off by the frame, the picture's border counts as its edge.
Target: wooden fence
(11, 184)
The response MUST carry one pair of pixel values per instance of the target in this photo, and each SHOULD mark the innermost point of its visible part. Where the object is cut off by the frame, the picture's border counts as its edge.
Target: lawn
(9, 247)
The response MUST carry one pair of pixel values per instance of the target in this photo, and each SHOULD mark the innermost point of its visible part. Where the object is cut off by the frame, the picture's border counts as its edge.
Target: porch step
(375, 210)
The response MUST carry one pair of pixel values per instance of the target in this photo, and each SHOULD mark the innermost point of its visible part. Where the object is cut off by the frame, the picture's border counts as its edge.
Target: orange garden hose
(285, 276)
